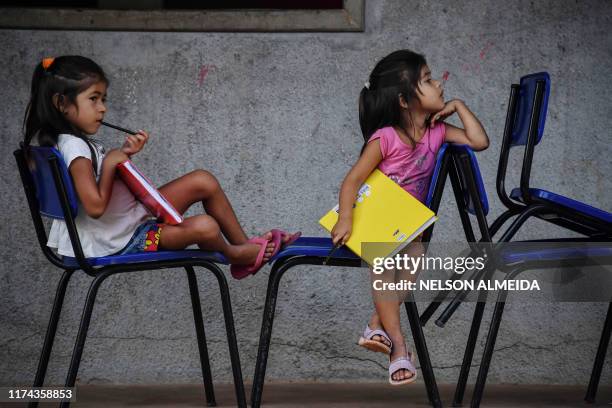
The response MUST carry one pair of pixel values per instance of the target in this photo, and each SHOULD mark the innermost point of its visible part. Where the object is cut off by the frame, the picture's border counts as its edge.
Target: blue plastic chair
(313, 251)
(524, 126)
(50, 193)
(513, 261)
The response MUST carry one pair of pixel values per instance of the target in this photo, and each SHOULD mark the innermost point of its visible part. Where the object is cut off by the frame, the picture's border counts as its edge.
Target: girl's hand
(342, 231)
(134, 143)
(115, 156)
(449, 108)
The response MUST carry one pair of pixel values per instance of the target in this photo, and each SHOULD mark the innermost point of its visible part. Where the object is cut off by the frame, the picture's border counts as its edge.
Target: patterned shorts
(144, 239)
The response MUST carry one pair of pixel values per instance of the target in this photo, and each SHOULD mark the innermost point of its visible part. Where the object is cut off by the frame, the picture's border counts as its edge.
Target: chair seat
(315, 246)
(318, 246)
(150, 257)
(305, 246)
(571, 251)
(564, 202)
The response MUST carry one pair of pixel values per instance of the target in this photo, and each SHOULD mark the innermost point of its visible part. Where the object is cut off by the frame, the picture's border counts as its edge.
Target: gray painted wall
(274, 116)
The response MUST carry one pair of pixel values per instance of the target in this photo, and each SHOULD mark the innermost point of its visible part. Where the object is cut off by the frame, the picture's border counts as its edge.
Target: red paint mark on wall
(485, 49)
(475, 65)
(444, 79)
(204, 70)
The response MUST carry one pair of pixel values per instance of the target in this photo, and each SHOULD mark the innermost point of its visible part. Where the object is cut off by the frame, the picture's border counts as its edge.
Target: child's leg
(204, 231)
(202, 186)
(388, 312)
(416, 248)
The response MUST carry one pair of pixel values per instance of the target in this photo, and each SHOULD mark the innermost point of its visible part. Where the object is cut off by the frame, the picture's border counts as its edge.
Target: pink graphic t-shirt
(408, 167)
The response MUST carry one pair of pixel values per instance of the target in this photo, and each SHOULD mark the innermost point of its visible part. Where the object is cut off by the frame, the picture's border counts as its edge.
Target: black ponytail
(395, 75)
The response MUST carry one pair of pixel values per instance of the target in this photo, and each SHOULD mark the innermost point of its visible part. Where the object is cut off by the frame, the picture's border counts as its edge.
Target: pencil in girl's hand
(333, 250)
(131, 132)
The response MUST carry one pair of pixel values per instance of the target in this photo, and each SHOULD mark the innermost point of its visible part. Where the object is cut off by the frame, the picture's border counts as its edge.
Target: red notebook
(148, 195)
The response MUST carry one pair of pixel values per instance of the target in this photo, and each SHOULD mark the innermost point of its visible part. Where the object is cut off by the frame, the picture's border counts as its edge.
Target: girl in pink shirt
(401, 113)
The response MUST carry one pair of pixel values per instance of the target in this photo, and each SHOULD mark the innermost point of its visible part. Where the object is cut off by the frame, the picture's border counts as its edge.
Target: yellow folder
(385, 217)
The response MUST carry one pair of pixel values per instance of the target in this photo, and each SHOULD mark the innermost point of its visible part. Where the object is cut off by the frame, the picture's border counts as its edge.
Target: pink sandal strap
(260, 255)
(292, 237)
(402, 363)
(368, 334)
(242, 271)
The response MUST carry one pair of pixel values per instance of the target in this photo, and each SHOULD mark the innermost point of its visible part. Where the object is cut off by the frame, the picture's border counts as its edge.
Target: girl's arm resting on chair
(95, 196)
(366, 164)
(473, 135)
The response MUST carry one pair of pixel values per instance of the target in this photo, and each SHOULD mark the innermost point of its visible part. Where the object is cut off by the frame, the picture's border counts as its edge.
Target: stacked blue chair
(313, 251)
(55, 197)
(525, 127)
(513, 261)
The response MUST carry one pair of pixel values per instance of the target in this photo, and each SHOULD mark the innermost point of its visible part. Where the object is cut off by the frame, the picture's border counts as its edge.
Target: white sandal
(375, 345)
(403, 363)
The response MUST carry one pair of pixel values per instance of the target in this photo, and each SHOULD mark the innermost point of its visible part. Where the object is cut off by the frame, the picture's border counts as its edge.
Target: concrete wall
(274, 116)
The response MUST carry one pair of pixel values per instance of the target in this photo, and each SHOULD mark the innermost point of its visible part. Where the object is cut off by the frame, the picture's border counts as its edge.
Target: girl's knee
(205, 227)
(415, 248)
(206, 182)
(419, 248)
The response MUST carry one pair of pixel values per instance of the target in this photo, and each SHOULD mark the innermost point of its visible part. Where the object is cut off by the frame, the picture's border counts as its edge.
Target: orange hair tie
(46, 62)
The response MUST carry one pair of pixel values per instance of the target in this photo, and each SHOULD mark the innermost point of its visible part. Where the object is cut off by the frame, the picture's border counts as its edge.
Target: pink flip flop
(242, 271)
(292, 237)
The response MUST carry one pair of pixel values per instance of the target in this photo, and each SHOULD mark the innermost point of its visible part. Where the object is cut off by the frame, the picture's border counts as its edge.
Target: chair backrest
(436, 177)
(524, 126)
(39, 162)
(436, 186)
(41, 170)
(525, 102)
(469, 201)
(470, 192)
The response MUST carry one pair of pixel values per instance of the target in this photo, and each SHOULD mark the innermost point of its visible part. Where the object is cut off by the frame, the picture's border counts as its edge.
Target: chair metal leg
(230, 330)
(432, 307)
(421, 348)
(51, 330)
(82, 334)
(458, 299)
(441, 297)
(276, 273)
(487, 355)
(490, 269)
(469, 353)
(201, 336)
(600, 357)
